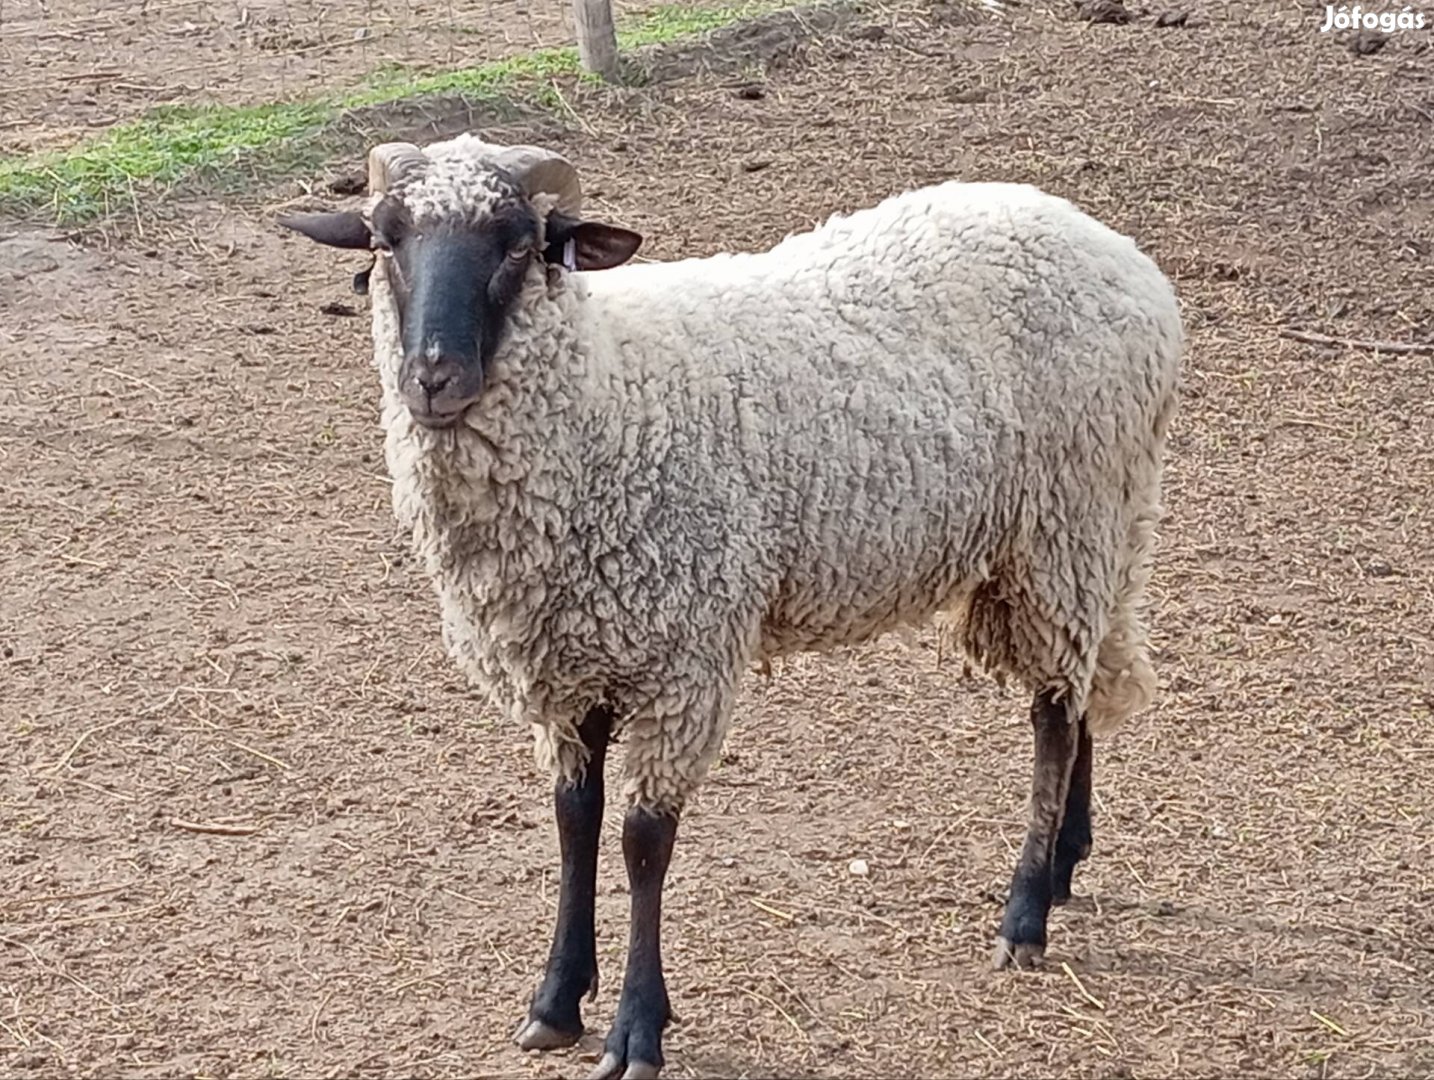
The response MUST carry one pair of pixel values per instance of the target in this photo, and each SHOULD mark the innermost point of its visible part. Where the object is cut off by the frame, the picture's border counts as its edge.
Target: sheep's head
(460, 227)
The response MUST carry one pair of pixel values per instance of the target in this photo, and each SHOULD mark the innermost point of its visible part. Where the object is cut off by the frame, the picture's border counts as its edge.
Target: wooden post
(597, 38)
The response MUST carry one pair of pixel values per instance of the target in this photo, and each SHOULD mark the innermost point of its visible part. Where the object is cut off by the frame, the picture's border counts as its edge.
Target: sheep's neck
(488, 489)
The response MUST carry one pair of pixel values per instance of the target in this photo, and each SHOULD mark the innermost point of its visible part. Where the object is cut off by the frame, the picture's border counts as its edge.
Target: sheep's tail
(1124, 681)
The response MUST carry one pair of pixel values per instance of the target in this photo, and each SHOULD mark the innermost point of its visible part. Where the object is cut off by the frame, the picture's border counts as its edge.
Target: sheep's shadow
(696, 1063)
(1145, 959)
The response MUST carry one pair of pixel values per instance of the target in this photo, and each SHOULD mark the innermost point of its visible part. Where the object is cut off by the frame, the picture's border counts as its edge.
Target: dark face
(455, 286)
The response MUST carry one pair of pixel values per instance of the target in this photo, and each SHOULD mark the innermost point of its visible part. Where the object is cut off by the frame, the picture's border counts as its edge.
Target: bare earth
(208, 616)
(69, 67)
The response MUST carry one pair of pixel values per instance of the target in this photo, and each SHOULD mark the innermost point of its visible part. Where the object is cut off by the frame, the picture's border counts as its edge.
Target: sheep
(631, 483)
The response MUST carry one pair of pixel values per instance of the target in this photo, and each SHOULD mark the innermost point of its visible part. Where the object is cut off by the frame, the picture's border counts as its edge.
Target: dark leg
(1023, 930)
(634, 1045)
(1073, 844)
(555, 1016)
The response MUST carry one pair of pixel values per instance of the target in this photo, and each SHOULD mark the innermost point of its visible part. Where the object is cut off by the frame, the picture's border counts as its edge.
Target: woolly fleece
(951, 405)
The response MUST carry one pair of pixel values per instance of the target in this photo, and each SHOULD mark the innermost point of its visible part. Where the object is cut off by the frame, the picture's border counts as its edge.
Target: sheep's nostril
(435, 375)
(433, 382)
(435, 388)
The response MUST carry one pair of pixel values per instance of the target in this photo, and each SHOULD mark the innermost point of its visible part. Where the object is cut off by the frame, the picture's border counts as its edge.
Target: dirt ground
(209, 616)
(72, 66)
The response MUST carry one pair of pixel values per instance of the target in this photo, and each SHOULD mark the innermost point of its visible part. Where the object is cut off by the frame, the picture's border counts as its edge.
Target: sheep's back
(854, 420)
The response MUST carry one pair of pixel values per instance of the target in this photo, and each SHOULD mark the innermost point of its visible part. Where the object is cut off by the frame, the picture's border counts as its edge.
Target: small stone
(858, 868)
(1103, 11)
(1367, 42)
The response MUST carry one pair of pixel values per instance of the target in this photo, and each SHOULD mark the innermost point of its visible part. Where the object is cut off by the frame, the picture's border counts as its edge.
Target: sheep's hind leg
(634, 1045)
(555, 1013)
(1073, 844)
(1022, 941)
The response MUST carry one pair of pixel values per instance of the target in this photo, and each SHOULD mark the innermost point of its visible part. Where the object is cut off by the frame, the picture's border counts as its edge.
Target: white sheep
(630, 485)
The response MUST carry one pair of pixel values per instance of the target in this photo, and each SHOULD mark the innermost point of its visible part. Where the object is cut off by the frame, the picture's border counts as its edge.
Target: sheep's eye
(521, 252)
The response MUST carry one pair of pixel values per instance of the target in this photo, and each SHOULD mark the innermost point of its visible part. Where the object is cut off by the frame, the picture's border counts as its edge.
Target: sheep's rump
(953, 403)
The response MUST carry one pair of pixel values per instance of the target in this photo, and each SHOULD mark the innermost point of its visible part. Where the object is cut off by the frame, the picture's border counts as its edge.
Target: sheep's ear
(342, 229)
(588, 245)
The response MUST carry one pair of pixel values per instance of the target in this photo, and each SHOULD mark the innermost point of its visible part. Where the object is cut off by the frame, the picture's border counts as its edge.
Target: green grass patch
(171, 145)
(673, 21)
(161, 148)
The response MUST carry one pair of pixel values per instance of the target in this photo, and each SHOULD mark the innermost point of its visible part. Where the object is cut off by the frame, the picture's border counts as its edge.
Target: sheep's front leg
(1023, 930)
(1073, 845)
(634, 1045)
(555, 1014)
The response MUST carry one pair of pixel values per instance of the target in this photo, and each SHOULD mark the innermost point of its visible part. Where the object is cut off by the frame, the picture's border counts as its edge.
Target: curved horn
(539, 170)
(388, 163)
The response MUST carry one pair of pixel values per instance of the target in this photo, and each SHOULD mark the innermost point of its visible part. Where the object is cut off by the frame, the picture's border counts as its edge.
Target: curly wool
(951, 405)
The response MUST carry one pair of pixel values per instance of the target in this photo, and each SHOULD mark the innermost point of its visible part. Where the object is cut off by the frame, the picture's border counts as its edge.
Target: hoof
(1024, 957)
(610, 1068)
(536, 1035)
